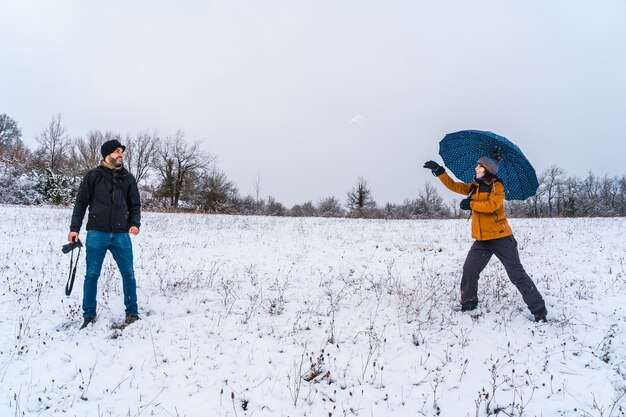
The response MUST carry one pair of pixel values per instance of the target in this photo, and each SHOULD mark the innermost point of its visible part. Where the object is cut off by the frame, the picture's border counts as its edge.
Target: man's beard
(117, 163)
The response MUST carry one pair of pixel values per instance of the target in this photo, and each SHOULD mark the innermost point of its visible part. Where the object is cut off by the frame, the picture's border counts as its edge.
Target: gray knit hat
(491, 165)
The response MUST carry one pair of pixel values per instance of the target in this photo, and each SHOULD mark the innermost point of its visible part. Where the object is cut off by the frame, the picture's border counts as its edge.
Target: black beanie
(110, 146)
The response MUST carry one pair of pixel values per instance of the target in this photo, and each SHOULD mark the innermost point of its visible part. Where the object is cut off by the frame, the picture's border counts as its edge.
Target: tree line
(174, 173)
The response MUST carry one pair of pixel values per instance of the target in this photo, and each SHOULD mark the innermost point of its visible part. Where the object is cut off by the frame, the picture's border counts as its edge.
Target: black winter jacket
(113, 201)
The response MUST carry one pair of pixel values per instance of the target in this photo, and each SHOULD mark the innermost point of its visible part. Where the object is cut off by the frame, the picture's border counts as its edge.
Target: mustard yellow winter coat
(488, 218)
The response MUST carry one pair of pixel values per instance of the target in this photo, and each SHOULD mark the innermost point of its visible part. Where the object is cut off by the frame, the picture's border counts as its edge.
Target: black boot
(541, 315)
(86, 321)
(469, 305)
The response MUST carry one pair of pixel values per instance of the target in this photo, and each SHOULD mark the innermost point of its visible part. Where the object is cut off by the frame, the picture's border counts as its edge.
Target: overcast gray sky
(310, 95)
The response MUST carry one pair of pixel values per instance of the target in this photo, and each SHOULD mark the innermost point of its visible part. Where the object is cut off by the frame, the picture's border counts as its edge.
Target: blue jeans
(121, 248)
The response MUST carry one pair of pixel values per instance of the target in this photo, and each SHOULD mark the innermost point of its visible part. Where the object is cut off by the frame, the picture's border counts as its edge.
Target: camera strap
(72, 274)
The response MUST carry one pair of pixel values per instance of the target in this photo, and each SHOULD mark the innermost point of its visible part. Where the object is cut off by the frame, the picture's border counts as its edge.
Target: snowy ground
(267, 316)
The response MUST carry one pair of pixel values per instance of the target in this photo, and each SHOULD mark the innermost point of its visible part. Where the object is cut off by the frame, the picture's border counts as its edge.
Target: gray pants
(505, 250)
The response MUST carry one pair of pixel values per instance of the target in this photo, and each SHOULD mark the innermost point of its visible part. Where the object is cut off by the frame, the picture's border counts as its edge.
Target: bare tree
(303, 210)
(330, 207)
(13, 152)
(86, 152)
(552, 179)
(216, 193)
(590, 193)
(53, 142)
(274, 207)
(537, 198)
(246, 205)
(256, 182)
(609, 195)
(430, 204)
(178, 163)
(10, 133)
(571, 197)
(360, 199)
(621, 183)
(140, 153)
(17, 156)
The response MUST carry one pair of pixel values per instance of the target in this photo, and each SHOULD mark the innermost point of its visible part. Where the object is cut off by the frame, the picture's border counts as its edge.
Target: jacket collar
(479, 181)
(104, 169)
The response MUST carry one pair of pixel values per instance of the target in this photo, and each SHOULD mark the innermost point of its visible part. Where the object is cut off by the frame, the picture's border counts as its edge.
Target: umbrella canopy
(461, 150)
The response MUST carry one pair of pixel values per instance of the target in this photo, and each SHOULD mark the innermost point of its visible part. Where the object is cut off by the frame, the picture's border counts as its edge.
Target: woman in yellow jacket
(493, 235)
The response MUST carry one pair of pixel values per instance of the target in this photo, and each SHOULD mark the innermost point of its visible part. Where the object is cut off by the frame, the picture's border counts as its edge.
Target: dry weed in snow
(263, 316)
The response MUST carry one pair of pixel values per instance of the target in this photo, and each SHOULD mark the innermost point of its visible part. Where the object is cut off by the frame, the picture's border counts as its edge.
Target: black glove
(434, 167)
(465, 204)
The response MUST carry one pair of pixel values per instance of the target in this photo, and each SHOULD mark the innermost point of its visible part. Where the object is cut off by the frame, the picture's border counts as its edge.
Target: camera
(67, 248)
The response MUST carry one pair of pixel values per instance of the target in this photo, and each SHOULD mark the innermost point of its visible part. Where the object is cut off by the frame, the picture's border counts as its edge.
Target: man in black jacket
(111, 194)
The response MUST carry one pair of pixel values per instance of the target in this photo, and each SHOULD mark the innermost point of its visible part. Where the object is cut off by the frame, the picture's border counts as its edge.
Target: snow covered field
(261, 316)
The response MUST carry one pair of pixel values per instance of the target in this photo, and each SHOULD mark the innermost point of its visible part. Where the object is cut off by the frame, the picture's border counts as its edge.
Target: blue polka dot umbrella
(461, 150)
